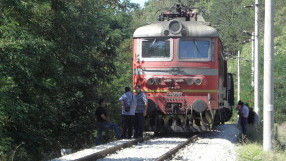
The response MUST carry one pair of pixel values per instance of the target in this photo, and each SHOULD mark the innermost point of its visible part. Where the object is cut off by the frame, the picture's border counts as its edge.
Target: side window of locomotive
(156, 49)
(194, 50)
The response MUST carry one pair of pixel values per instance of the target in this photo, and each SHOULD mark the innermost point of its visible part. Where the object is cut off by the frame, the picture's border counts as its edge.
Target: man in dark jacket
(103, 122)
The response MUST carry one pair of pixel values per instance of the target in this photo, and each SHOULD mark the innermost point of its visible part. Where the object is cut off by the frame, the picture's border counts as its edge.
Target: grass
(251, 148)
(254, 152)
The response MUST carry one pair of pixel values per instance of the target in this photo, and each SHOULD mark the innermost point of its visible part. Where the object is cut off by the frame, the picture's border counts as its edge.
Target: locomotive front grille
(174, 108)
(171, 105)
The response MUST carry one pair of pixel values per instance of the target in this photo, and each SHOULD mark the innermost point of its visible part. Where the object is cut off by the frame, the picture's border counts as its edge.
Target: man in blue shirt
(243, 116)
(141, 112)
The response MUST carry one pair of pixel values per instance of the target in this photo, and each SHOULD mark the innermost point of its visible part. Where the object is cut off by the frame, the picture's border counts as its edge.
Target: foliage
(250, 152)
(280, 57)
(56, 59)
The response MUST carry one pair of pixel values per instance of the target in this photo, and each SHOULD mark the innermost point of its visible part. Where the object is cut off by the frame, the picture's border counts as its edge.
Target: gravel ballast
(219, 145)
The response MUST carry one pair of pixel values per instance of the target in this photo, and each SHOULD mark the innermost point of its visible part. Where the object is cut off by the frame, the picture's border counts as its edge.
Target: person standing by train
(103, 122)
(128, 105)
(243, 116)
(141, 112)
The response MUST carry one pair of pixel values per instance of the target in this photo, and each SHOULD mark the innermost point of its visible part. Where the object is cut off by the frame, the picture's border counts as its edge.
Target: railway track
(220, 144)
(176, 149)
(138, 148)
(101, 151)
(158, 149)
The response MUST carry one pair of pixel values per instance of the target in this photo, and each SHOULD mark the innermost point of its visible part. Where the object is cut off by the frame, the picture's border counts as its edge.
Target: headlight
(190, 81)
(158, 81)
(168, 80)
(198, 81)
(150, 81)
(180, 81)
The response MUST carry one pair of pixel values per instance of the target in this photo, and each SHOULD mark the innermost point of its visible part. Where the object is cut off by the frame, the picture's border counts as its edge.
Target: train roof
(176, 28)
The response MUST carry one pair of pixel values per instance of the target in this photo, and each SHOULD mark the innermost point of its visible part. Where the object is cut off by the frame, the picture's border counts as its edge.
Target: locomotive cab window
(155, 49)
(195, 50)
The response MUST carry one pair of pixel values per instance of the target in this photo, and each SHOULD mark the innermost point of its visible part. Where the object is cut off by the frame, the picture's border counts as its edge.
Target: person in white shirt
(128, 106)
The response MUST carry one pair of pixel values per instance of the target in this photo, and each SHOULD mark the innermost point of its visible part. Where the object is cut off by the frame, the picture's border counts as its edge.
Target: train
(180, 64)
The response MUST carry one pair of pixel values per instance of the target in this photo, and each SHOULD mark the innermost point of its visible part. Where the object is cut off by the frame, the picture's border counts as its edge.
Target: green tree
(280, 58)
(57, 57)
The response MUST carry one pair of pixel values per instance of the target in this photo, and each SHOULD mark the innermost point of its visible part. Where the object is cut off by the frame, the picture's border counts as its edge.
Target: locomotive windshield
(194, 50)
(155, 48)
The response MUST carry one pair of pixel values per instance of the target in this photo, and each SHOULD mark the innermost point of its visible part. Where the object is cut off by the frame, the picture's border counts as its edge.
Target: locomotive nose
(199, 106)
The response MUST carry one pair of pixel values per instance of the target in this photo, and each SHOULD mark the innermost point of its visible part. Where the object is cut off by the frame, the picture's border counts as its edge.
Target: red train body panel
(179, 63)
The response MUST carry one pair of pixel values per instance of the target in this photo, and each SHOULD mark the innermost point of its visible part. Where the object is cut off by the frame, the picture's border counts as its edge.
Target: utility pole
(238, 76)
(252, 59)
(268, 107)
(256, 64)
(255, 37)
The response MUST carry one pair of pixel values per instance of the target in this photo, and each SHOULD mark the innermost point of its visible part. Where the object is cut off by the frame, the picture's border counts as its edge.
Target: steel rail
(111, 150)
(105, 152)
(176, 149)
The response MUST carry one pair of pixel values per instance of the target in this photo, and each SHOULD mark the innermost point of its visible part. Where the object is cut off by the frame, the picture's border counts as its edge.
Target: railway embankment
(220, 144)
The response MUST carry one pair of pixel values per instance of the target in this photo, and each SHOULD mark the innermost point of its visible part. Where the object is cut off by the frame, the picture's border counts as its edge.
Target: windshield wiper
(153, 43)
(196, 44)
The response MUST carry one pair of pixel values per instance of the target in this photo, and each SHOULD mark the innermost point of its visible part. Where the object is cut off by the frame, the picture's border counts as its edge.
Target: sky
(141, 2)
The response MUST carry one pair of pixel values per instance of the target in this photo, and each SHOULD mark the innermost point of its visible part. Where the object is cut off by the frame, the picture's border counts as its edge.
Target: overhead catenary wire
(228, 23)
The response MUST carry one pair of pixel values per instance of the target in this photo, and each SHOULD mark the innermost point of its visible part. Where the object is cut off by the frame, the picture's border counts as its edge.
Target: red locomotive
(179, 63)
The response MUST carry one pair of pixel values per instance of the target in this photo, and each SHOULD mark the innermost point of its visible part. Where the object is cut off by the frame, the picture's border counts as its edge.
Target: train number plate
(176, 94)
